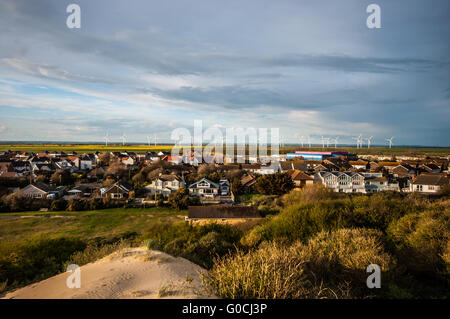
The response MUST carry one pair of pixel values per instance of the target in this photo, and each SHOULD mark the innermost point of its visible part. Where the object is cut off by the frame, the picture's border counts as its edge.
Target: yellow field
(83, 148)
(141, 148)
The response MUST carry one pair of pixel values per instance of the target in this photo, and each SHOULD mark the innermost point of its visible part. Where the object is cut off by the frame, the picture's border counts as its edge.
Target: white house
(343, 182)
(166, 184)
(204, 188)
(428, 183)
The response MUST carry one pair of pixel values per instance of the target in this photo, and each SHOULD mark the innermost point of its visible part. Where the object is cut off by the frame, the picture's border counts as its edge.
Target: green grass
(41, 245)
(90, 148)
(84, 224)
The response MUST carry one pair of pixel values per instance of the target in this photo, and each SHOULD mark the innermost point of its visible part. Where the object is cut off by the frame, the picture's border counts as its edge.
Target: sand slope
(129, 273)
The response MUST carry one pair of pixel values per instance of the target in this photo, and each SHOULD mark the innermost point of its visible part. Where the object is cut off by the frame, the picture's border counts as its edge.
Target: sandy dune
(129, 273)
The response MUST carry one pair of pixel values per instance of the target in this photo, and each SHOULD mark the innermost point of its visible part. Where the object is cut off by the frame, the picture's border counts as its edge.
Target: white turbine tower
(124, 137)
(323, 142)
(155, 138)
(148, 140)
(357, 141)
(336, 141)
(106, 138)
(369, 141)
(390, 141)
(328, 141)
(309, 141)
(302, 140)
(360, 140)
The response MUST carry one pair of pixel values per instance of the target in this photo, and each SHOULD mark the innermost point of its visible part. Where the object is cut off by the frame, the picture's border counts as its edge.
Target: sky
(147, 67)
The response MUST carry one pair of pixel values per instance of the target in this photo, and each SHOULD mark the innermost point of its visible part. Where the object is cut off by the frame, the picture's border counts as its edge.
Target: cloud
(289, 65)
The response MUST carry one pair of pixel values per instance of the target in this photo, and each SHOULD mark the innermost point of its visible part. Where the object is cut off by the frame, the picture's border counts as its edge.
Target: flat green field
(91, 148)
(107, 223)
(83, 148)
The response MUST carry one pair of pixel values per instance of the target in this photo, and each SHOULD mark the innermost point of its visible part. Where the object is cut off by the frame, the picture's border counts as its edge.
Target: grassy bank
(35, 246)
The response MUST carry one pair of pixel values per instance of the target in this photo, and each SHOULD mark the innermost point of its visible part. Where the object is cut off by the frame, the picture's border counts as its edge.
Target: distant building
(318, 156)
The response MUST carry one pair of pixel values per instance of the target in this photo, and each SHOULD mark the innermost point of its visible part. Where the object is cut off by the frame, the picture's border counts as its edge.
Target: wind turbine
(336, 141)
(148, 140)
(302, 139)
(390, 141)
(323, 142)
(369, 141)
(357, 139)
(124, 137)
(155, 139)
(328, 141)
(106, 138)
(309, 141)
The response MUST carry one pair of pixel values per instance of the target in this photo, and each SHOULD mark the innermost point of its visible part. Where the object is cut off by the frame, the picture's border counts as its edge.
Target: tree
(61, 177)
(117, 169)
(152, 175)
(205, 169)
(138, 179)
(181, 199)
(274, 184)
(59, 204)
(104, 158)
(236, 186)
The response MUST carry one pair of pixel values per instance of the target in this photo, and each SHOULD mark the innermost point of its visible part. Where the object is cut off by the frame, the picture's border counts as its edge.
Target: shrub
(422, 240)
(199, 244)
(274, 184)
(35, 259)
(331, 265)
(59, 205)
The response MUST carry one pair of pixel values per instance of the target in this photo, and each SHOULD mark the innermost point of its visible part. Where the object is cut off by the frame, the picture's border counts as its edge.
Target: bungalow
(300, 179)
(248, 183)
(96, 174)
(85, 163)
(127, 160)
(389, 166)
(268, 169)
(431, 168)
(251, 168)
(116, 191)
(403, 171)
(358, 164)
(81, 191)
(7, 170)
(42, 190)
(429, 183)
(204, 188)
